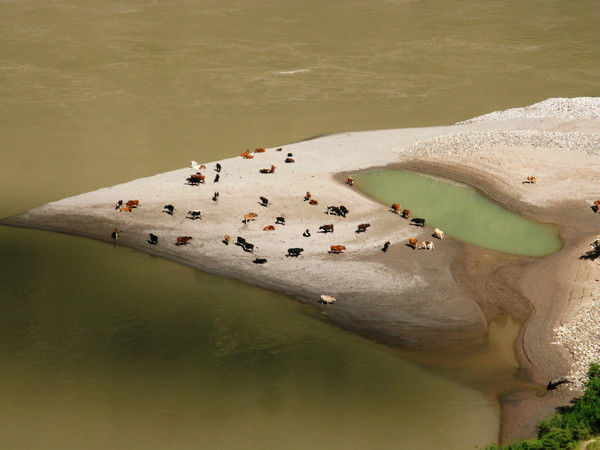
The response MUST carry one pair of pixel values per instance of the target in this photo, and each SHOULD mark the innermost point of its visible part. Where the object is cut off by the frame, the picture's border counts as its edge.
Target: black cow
(294, 251)
(386, 246)
(215, 197)
(119, 204)
(343, 210)
(306, 233)
(240, 241)
(218, 167)
(280, 221)
(194, 214)
(153, 239)
(264, 201)
(248, 247)
(289, 155)
(259, 260)
(216, 180)
(326, 228)
(169, 209)
(417, 221)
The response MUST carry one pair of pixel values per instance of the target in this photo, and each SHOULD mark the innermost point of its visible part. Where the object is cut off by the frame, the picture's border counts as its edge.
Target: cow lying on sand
(183, 240)
(313, 202)
(271, 170)
(269, 228)
(294, 251)
(289, 160)
(326, 228)
(336, 249)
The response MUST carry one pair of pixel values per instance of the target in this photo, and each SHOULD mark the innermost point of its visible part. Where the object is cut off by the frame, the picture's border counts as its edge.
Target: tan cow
(350, 181)
(438, 233)
(125, 209)
(133, 203)
(250, 216)
(183, 240)
(532, 180)
(396, 208)
(271, 170)
(259, 150)
(413, 242)
(269, 228)
(226, 239)
(247, 155)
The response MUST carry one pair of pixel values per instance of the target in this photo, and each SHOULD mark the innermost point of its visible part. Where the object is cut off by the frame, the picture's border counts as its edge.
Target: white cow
(197, 166)
(427, 245)
(438, 233)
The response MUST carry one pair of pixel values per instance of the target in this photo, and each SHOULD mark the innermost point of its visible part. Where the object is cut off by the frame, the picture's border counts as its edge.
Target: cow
(169, 209)
(194, 180)
(307, 196)
(226, 239)
(115, 234)
(153, 239)
(217, 177)
(313, 202)
(306, 233)
(279, 149)
(183, 240)
(218, 167)
(350, 181)
(413, 242)
(596, 203)
(326, 228)
(250, 216)
(289, 160)
(362, 227)
(289, 155)
(531, 180)
(438, 233)
(259, 150)
(427, 245)
(406, 213)
(215, 197)
(248, 247)
(240, 241)
(343, 210)
(119, 204)
(247, 155)
(336, 249)
(294, 251)
(133, 203)
(333, 210)
(418, 222)
(327, 299)
(197, 166)
(125, 209)
(264, 201)
(385, 247)
(259, 260)
(269, 228)
(396, 208)
(194, 214)
(271, 170)
(280, 221)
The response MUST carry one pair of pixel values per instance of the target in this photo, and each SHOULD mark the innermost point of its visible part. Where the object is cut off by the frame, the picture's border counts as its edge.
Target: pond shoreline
(417, 303)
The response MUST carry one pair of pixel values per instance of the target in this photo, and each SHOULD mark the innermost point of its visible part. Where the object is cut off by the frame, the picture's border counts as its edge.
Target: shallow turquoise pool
(460, 211)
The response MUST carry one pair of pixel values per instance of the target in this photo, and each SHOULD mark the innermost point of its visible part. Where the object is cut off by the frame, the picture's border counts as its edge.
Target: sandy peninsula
(442, 298)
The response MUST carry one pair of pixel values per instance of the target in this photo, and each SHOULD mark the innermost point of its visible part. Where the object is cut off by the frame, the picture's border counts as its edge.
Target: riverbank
(403, 297)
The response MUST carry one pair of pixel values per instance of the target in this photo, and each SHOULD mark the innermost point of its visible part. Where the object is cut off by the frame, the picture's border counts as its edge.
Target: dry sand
(441, 298)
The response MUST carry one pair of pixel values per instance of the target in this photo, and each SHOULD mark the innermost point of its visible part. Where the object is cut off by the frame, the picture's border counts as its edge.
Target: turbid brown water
(104, 348)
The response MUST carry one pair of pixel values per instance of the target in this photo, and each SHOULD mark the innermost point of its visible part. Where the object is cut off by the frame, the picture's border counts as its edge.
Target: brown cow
(307, 196)
(115, 234)
(362, 227)
(336, 249)
(395, 208)
(183, 240)
(406, 213)
(250, 216)
(289, 160)
(326, 228)
(226, 239)
(413, 242)
(531, 180)
(313, 202)
(247, 155)
(269, 228)
(264, 201)
(271, 170)
(278, 149)
(125, 209)
(259, 150)
(350, 181)
(133, 203)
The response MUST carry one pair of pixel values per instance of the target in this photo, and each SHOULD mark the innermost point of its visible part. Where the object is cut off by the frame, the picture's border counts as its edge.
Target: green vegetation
(570, 425)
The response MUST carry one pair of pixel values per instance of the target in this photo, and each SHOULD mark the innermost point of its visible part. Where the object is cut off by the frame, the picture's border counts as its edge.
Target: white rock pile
(577, 108)
(581, 337)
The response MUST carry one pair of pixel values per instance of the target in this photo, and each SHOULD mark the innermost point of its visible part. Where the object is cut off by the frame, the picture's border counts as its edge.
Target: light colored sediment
(403, 296)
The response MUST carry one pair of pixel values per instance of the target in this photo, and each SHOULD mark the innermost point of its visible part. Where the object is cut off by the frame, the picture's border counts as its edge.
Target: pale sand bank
(402, 296)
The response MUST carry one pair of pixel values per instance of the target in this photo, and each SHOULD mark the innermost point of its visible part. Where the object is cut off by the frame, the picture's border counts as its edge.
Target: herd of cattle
(340, 211)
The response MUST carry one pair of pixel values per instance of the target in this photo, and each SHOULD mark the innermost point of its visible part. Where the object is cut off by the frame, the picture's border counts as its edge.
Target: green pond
(461, 211)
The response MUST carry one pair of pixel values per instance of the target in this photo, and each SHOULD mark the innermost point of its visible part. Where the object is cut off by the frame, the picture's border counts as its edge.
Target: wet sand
(439, 299)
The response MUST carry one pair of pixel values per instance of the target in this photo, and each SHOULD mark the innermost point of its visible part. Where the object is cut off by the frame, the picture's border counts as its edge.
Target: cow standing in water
(115, 234)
